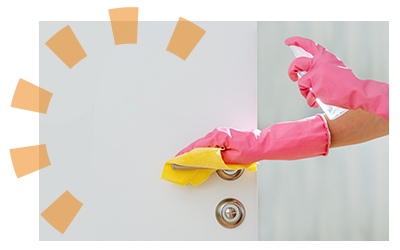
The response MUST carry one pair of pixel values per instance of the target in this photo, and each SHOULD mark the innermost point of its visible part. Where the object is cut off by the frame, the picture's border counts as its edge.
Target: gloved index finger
(299, 64)
(305, 43)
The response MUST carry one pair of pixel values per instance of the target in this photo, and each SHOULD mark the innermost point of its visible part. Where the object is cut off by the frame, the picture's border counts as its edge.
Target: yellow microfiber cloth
(208, 158)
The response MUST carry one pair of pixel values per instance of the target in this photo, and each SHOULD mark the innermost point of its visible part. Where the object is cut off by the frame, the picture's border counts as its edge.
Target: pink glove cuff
(327, 130)
(301, 139)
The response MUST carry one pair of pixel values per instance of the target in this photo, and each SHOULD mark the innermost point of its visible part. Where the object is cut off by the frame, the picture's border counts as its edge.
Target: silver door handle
(230, 175)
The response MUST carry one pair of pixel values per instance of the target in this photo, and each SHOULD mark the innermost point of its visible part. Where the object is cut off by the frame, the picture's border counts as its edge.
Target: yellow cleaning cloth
(209, 158)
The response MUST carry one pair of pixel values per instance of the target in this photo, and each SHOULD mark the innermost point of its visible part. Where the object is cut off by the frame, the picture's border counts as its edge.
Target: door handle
(230, 175)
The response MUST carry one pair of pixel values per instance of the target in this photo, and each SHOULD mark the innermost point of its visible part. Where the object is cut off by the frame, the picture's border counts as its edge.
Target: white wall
(344, 196)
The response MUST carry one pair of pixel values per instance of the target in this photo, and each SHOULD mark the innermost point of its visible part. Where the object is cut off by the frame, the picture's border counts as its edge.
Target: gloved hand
(333, 83)
(282, 141)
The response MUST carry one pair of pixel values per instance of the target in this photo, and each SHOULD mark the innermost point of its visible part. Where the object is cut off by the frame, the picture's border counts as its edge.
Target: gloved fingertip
(315, 105)
(293, 76)
(291, 40)
(312, 100)
(307, 44)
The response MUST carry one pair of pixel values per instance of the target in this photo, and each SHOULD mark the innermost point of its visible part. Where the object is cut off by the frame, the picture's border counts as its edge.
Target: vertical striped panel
(344, 196)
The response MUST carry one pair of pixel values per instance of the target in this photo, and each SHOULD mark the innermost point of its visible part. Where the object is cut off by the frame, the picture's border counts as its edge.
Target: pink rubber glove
(282, 141)
(333, 83)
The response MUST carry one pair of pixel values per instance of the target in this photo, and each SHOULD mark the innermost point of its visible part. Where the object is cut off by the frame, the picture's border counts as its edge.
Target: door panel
(148, 105)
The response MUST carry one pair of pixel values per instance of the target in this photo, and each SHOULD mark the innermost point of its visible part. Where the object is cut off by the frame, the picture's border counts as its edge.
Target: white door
(119, 114)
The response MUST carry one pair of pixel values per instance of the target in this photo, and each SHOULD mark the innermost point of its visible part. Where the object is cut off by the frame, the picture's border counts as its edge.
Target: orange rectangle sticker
(27, 160)
(31, 97)
(62, 211)
(66, 46)
(124, 23)
(185, 38)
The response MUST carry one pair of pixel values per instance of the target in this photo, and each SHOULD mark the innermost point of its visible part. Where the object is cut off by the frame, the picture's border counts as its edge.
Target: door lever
(175, 166)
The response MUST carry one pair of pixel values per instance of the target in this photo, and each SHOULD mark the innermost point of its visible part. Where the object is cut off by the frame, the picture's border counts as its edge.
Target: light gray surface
(118, 115)
(344, 196)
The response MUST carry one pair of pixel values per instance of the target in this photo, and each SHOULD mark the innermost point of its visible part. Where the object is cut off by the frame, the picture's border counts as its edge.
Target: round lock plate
(230, 213)
(230, 175)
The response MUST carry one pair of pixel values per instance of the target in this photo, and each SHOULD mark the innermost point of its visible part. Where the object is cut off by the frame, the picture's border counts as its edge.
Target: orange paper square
(27, 160)
(62, 212)
(185, 38)
(124, 23)
(31, 97)
(66, 46)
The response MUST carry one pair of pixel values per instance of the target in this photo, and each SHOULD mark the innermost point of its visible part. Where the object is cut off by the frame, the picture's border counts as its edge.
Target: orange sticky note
(67, 47)
(124, 23)
(62, 212)
(185, 38)
(27, 160)
(31, 97)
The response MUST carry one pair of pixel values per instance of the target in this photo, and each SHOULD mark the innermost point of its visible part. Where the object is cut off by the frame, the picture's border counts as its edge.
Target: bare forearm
(356, 126)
